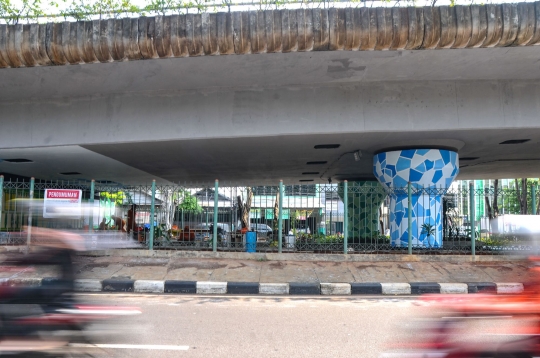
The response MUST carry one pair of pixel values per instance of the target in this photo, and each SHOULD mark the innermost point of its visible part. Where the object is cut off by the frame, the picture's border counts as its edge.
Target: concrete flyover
(270, 31)
(129, 100)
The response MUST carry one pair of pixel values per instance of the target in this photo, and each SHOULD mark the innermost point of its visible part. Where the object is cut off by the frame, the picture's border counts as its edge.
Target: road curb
(243, 288)
(297, 288)
(88, 285)
(453, 288)
(482, 287)
(509, 288)
(366, 288)
(30, 281)
(117, 285)
(185, 287)
(335, 289)
(419, 288)
(211, 288)
(273, 288)
(396, 288)
(292, 288)
(149, 286)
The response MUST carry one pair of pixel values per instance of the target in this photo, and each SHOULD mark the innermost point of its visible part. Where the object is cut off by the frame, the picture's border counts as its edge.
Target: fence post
(345, 215)
(472, 217)
(152, 211)
(533, 194)
(91, 205)
(29, 232)
(214, 240)
(280, 218)
(409, 217)
(1, 197)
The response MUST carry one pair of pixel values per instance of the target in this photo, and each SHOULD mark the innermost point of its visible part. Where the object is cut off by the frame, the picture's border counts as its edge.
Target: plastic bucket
(290, 241)
(251, 241)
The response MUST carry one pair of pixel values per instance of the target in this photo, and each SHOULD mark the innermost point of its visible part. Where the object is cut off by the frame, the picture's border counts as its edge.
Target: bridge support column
(430, 172)
(364, 198)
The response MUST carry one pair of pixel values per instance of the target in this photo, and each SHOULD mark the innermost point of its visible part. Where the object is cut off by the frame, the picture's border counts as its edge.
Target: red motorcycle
(46, 330)
(441, 338)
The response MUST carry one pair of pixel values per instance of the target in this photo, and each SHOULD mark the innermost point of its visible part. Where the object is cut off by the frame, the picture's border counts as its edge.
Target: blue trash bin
(251, 241)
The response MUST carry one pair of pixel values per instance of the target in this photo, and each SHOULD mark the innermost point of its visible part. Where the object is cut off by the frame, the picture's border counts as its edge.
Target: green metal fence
(349, 217)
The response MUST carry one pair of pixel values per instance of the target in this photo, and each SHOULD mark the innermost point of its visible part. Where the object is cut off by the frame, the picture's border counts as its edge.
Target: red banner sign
(63, 194)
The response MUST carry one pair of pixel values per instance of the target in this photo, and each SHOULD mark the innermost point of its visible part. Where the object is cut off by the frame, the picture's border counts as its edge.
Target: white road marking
(132, 346)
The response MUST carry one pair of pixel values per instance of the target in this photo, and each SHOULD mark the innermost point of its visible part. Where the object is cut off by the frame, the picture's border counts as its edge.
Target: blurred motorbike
(48, 329)
(440, 338)
(47, 320)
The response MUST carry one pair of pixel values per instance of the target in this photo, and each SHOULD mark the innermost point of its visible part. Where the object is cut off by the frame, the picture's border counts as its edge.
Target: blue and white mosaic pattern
(424, 168)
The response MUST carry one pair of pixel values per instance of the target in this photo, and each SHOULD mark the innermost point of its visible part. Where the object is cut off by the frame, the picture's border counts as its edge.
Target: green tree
(83, 10)
(4, 8)
(79, 10)
(517, 198)
(187, 202)
(116, 197)
(493, 206)
(13, 12)
(162, 7)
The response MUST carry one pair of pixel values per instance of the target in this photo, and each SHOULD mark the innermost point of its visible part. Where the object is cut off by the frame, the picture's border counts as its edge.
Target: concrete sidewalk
(328, 269)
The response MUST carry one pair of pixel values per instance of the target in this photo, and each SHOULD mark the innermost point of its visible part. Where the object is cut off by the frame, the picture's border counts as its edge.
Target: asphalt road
(244, 326)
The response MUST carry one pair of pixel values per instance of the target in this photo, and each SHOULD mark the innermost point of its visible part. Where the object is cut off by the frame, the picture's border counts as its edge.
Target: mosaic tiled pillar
(364, 200)
(432, 169)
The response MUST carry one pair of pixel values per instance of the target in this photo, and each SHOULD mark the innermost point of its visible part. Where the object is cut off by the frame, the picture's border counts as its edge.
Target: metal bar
(533, 194)
(152, 211)
(280, 217)
(345, 215)
(29, 229)
(471, 217)
(91, 205)
(409, 217)
(214, 239)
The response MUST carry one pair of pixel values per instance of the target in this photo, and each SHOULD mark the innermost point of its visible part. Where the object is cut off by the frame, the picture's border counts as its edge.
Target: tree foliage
(83, 10)
(187, 202)
(14, 12)
(116, 197)
(518, 198)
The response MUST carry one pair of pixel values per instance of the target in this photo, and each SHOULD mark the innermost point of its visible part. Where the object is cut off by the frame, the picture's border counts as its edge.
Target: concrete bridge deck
(270, 31)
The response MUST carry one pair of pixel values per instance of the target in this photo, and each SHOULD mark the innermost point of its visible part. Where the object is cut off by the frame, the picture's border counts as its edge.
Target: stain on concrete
(90, 267)
(241, 265)
(277, 265)
(146, 263)
(375, 267)
(438, 269)
(406, 267)
(499, 268)
(203, 265)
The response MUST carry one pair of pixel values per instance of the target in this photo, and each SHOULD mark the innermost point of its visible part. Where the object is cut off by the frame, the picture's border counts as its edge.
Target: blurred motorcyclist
(53, 247)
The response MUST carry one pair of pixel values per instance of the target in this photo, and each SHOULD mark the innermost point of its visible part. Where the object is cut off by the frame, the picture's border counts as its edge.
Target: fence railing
(349, 217)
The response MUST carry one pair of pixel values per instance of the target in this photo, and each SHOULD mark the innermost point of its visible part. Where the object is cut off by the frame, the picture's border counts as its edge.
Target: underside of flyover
(256, 119)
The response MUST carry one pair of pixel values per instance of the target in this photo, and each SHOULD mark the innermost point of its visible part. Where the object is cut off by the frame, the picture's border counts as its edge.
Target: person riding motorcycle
(53, 247)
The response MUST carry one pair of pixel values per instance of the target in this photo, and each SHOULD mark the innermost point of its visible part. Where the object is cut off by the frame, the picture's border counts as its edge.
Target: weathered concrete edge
(270, 31)
(398, 288)
(301, 256)
(453, 288)
(220, 288)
